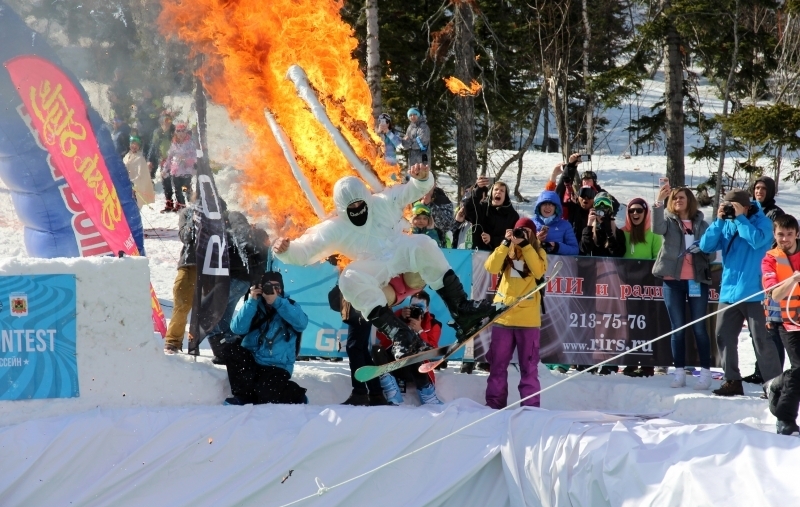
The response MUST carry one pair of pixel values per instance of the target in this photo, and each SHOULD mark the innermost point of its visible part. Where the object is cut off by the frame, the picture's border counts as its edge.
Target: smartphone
(491, 180)
(585, 157)
(662, 182)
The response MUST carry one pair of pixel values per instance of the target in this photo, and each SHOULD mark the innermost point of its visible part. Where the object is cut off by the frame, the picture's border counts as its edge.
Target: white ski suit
(378, 250)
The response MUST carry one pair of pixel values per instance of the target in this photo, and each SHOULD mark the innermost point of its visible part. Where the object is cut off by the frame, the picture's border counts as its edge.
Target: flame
(248, 47)
(457, 87)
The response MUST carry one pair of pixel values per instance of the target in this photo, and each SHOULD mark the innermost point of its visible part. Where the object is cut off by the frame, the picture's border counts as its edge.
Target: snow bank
(220, 456)
(120, 361)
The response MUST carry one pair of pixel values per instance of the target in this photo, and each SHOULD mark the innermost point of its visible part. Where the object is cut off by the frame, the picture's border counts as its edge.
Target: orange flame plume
(248, 46)
(457, 87)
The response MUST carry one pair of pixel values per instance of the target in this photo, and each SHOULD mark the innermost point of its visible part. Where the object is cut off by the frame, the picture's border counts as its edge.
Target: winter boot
(427, 395)
(704, 382)
(680, 378)
(391, 391)
(168, 208)
(730, 388)
(467, 314)
(357, 400)
(787, 428)
(467, 367)
(405, 342)
(754, 378)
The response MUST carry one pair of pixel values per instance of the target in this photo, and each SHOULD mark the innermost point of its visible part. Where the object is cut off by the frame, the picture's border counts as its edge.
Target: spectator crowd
(258, 337)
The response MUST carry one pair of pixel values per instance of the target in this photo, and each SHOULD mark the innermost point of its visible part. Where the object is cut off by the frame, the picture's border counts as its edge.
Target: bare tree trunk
(723, 135)
(373, 57)
(536, 113)
(589, 115)
(464, 48)
(673, 85)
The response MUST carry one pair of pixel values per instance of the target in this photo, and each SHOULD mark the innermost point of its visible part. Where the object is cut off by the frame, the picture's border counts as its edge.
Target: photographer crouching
(260, 367)
(600, 237)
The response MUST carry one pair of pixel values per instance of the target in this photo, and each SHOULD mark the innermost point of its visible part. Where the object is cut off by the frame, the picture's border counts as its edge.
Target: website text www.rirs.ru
(607, 345)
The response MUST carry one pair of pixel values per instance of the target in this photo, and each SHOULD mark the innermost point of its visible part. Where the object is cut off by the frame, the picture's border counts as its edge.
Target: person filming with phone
(260, 366)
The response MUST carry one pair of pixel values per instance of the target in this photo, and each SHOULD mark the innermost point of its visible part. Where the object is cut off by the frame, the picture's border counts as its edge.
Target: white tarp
(220, 456)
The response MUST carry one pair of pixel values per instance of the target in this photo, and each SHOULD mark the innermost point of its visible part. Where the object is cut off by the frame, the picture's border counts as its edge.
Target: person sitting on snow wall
(366, 231)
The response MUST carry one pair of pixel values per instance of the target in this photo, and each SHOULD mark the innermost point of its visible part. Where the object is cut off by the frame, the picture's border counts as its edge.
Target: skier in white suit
(365, 231)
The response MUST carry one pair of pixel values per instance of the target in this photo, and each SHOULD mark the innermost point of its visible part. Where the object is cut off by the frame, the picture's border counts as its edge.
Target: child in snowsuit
(521, 261)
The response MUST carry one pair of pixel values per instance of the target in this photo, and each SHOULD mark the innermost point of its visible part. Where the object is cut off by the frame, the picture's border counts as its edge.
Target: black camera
(729, 211)
(415, 312)
(267, 289)
(602, 212)
(519, 232)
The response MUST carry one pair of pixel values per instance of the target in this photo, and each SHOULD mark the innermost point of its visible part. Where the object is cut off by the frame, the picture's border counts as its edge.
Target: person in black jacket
(185, 280)
(248, 247)
(600, 237)
(763, 191)
(490, 212)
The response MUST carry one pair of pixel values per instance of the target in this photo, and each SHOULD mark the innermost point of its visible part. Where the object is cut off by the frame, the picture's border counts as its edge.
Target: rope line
(321, 489)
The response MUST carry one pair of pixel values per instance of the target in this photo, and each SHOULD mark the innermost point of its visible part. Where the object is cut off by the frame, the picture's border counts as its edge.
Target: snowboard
(370, 372)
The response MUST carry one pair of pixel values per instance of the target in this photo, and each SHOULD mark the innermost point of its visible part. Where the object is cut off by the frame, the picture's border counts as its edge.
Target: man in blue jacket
(744, 234)
(260, 367)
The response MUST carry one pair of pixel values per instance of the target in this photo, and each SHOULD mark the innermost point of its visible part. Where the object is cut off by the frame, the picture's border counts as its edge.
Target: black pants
(773, 333)
(174, 185)
(254, 383)
(407, 373)
(785, 396)
(358, 331)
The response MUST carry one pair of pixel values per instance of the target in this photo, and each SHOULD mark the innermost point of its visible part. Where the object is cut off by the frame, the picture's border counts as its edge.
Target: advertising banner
(37, 337)
(598, 307)
(59, 114)
(326, 335)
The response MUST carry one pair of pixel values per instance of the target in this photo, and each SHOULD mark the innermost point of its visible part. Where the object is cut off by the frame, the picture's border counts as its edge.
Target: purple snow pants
(504, 339)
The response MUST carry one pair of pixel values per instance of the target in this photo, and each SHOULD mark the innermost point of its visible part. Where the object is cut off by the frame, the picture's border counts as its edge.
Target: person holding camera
(391, 141)
(744, 234)
(684, 270)
(424, 323)
(600, 237)
(554, 233)
(417, 138)
(522, 263)
(260, 366)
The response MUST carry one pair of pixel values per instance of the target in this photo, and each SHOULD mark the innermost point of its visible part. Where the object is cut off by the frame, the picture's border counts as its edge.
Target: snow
(591, 445)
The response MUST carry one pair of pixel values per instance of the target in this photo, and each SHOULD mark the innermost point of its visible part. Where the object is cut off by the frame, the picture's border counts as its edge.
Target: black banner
(598, 307)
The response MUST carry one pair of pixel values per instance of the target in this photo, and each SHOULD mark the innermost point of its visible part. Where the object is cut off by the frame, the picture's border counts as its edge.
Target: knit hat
(739, 196)
(413, 110)
(526, 222)
(420, 209)
(638, 200)
(589, 175)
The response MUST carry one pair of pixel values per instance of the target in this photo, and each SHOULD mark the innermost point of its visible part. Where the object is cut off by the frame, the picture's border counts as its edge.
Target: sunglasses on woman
(635, 211)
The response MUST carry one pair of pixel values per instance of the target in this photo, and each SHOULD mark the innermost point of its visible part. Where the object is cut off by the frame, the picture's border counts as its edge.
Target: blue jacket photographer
(261, 365)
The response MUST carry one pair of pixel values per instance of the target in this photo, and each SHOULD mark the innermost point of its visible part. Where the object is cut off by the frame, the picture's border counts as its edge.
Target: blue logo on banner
(37, 337)
(326, 335)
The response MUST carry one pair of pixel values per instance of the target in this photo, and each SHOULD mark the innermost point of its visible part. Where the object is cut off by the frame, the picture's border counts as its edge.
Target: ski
(455, 347)
(366, 373)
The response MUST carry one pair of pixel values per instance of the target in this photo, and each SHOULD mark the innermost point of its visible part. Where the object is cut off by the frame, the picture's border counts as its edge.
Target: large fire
(248, 46)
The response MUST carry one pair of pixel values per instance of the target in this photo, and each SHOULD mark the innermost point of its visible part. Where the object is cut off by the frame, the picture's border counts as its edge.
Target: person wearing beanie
(600, 237)
(417, 138)
(422, 222)
(391, 141)
(139, 173)
(744, 234)
(640, 241)
(522, 262)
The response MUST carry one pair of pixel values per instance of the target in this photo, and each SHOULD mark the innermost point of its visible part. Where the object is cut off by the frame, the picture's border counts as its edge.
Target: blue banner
(325, 335)
(37, 337)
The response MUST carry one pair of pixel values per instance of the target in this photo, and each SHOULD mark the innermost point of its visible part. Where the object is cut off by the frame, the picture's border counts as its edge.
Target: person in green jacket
(640, 243)
(422, 222)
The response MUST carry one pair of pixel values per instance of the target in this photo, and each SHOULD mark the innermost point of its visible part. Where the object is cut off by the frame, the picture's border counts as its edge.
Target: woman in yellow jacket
(520, 261)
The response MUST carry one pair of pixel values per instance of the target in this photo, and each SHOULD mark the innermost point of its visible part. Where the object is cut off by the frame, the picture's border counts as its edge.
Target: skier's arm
(406, 193)
(313, 246)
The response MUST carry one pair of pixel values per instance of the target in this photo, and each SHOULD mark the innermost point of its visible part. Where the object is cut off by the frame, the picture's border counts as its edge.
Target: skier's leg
(360, 283)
